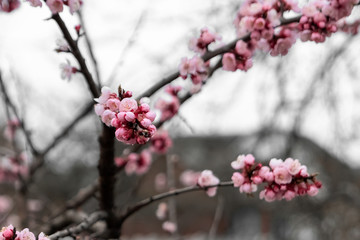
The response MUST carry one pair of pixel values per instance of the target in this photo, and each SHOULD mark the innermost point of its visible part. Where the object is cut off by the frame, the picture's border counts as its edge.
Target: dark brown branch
(132, 209)
(77, 54)
(86, 224)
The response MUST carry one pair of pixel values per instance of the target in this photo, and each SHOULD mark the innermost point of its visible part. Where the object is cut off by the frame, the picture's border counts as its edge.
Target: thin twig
(132, 209)
(86, 224)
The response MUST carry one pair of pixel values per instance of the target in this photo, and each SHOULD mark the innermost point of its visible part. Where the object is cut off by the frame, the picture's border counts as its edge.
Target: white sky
(228, 104)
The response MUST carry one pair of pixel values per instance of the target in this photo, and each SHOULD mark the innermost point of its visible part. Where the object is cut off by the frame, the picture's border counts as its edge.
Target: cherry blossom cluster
(285, 179)
(132, 119)
(55, 6)
(196, 68)
(10, 233)
(170, 104)
(11, 168)
(135, 163)
(161, 142)
(200, 44)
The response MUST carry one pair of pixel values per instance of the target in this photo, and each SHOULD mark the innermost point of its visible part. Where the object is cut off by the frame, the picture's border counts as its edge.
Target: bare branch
(86, 224)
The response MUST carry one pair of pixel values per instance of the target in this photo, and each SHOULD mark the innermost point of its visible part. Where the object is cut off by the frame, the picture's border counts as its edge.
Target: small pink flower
(9, 5)
(107, 116)
(128, 105)
(248, 188)
(35, 3)
(55, 6)
(42, 236)
(229, 62)
(74, 5)
(113, 104)
(161, 142)
(25, 234)
(238, 179)
(67, 70)
(312, 190)
(268, 194)
(189, 177)
(105, 95)
(207, 178)
(293, 166)
(282, 175)
(162, 211)
(289, 195)
(160, 182)
(169, 227)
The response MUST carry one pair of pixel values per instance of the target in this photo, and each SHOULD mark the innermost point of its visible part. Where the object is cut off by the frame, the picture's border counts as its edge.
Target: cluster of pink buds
(161, 142)
(135, 163)
(285, 179)
(161, 214)
(239, 58)
(10, 233)
(200, 45)
(132, 119)
(196, 68)
(13, 167)
(169, 105)
(11, 127)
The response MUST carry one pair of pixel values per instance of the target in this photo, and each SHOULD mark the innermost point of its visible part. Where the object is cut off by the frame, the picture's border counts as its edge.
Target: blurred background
(303, 105)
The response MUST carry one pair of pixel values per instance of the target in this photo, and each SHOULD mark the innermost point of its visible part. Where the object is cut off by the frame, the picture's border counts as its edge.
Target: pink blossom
(9, 5)
(168, 107)
(128, 105)
(35, 3)
(312, 190)
(238, 179)
(62, 45)
(55, 6)
(189, 177)
(229, 62)
(293, 166)
(161, 142)
(42, 236)
(107, 116)
(25, 234)
(282, 175)
(289, 195)
(113, 104)
(138, 163)
(169, 226)
(242, 161)
(74, 5)
(207, 178)
(67, 70)
(275, 163)
(162, 211)
(268, 194)
(8, 232)
(105, 95)
(248, 188)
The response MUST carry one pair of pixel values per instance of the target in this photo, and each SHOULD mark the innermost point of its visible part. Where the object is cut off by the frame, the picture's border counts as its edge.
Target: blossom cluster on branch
(55, 6)
(132, 119)
(10, 233)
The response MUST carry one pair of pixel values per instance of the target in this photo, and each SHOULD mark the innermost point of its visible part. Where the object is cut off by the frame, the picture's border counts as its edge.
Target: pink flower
(282, 175)
(168, 107)
(105, 95)
(169, 227)
(229, 62)
(42, 236)
(207, 178)
(107, 116)
(160, 182)
(35, 3)
(238, 179)
(113, 104)
(55, 6)
(293, 166)
(242, 161)
(268, 194)
(312, 190)
(25, 234)
(189, 177)
(289, 195)
(128, 105)
(67, 69)
(138, 164)
(161, 142)
(9, 5)
(74, 5)
(162, 211)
